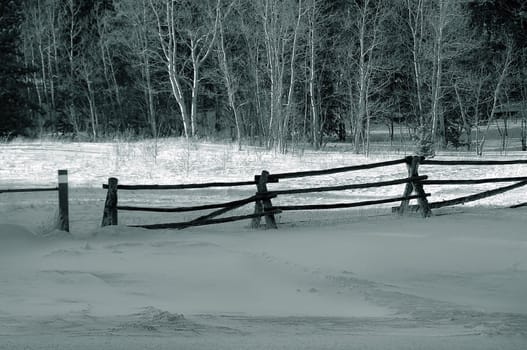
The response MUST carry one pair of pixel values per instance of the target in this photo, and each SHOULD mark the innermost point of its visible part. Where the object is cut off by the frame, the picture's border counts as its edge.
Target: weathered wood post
(412, 164)
(64, 221)
(524, 134)
(262, 205)
(110, 206)
(409, 187)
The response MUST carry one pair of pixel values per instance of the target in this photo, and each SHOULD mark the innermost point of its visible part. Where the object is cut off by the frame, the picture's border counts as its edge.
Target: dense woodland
(274, 72)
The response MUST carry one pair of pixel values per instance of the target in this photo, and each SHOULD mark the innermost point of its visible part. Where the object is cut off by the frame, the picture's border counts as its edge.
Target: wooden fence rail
(183, 186)
(230, 204)
(346, 205)
(473, 181)
(181, 225)
(472, 162)
(21, 190)
(350, 187)
(62, 189)
(335, 170)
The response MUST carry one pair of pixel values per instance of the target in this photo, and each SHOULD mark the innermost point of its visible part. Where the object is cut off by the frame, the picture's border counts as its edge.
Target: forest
(268, 72)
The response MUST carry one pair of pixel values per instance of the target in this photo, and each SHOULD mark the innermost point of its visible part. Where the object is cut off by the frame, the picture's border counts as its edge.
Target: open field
(342, 279)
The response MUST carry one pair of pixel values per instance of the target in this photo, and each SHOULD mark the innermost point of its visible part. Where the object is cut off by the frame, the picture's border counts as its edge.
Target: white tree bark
(229, 80)
(200, 46)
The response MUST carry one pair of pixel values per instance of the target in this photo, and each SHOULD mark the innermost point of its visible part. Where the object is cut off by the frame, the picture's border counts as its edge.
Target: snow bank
(17, 236)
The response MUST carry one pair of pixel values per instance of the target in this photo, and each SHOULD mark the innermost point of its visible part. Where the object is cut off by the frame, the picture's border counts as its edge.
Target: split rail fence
(414, 185)
(62, 189)
(262, 199)
(517, 181)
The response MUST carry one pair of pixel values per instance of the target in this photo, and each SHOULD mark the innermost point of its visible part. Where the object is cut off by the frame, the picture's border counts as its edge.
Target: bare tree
(364, 21)
(141, 39)
(104, 29)
(281, 23)
(70, 13)
(315, 118)
(504, 71)
(181, 25)
(416, 24)
(228, 75)
(41, 48)
(284, 130)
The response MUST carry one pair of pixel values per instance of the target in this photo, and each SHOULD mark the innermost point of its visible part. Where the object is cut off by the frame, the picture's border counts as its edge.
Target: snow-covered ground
(342, 279)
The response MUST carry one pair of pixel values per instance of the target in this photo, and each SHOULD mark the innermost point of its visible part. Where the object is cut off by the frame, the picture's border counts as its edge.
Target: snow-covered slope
(333, 280)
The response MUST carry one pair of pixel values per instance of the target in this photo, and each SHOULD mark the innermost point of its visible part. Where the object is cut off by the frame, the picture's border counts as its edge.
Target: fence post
(64, 221)
(412, 164)
(110, 206)
(264, 204)
(418, 188)
(524, 134)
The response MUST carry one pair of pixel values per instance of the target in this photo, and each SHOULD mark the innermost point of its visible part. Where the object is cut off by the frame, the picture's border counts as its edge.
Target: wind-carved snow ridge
(157, 322)
(151, 319)
(416, 312)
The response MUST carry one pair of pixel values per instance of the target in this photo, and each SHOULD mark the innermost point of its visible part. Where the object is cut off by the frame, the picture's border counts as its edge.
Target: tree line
(272, 71)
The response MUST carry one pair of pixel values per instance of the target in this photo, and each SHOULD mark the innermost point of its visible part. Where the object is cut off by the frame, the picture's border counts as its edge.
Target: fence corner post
(264, 204)
(110, 206)
(64, 221)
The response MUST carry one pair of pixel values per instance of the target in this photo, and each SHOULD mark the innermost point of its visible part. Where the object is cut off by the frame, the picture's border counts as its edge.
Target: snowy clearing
(341, 279)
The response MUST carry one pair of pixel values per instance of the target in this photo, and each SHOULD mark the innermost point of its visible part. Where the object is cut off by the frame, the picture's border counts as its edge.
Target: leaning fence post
(418, 188)
(64, 221)
(264, 204)
(110, 206)
(408, 189)
(412, 164)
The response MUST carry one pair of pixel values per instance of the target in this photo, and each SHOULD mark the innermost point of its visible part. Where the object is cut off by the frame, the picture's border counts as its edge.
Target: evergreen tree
(14, 106)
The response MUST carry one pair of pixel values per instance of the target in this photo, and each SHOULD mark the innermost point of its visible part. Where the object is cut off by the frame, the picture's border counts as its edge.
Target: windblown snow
(343, 279)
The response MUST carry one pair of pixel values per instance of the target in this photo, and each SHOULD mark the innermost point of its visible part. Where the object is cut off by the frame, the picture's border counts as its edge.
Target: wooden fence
(413, 189)
(262, 199)
(517, 181)
(62, 190)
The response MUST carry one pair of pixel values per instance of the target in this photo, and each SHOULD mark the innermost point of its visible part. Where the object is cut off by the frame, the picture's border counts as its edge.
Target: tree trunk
(437, 77)
(289, 105)
(505, 69)
(416, 23)
(312, 72)
(227, 75)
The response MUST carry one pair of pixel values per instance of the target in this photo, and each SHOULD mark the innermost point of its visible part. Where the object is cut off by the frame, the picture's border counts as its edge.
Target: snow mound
(12, 235)
(152, 314)
(120, 231)
(152, 319)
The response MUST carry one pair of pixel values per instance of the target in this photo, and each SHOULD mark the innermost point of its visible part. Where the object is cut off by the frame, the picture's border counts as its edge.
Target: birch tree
(437, 33)
(281, 22)
(368, 23)
(70, 13)
(187, 33)
(289, 108)
(504, 70)
(103, 17)
(362, 24)
(41, 49)
(228, 74)
(140, 37)
(313, 17)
